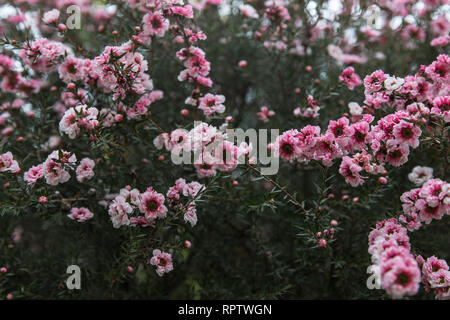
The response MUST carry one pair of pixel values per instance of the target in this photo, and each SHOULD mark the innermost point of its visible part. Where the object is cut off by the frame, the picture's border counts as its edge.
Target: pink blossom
(85, 170)
(80, 214)
(162, 261)
(152, 204)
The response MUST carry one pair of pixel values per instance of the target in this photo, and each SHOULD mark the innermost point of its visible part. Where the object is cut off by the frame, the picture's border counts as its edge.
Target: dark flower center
(71, 69)
(152, 205)
(402, 278)
(360, 136)
(407, 133)
(395, 154)
(338, 131)
(287, 148)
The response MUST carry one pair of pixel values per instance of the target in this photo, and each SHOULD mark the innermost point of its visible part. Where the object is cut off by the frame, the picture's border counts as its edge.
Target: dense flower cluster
(422, 205)
(390, 140)
(94, 92)
(56, 169)
(390, 247)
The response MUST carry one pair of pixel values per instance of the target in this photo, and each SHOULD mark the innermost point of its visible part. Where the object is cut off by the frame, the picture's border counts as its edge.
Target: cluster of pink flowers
(189, 190)
(14, 82)
(322, 236)
(389, 141)
(390, 249)
(350, 78)
(131, 207)
(77, 118)
(209, 147)
(413, 92)
(56, 169)
(162, 261)
(435, 276)
(80, 214)
(311, 111)
(422, 205)
(43, 55)
(8, 164)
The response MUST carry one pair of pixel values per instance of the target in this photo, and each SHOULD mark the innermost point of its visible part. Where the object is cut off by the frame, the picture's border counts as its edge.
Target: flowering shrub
(118, 155)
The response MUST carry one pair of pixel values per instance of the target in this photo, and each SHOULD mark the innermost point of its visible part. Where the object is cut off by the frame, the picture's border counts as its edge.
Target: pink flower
(7, 163)
(152, 204)
(80, 214)
(119, 210)
(374, 81)
(155, 24)
(72, 69)
(402, 278)
(248, 11)
(212, 104)
(351, 172)
(350, 78)
(192, 189)
(54, 168)
(407, 132)
(420, 175)
(185, 11)
(265, 114)
(85, 170)
(286, 145)
(51, 17)
(162, 261)
(191, 215)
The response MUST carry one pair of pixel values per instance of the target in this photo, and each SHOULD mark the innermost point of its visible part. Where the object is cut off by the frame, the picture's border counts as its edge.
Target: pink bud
(42, 200)
(242, 64)
(345, 197)
(144, 160)
(331, 196)
(184, 112)
(229, 119)
(187, 243)
(161, 158)
(355, 199)
(318, 234)
(115, 33)
(322, 243)
(308, 68)
(20, 139)
(118, 118)
(235, 183)
(128, 187)
(297, 90)
(71, 86)
(62, 27)
(3, 270)
(382, 180)
(130, 269)
(9, 296)
(334, 223)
